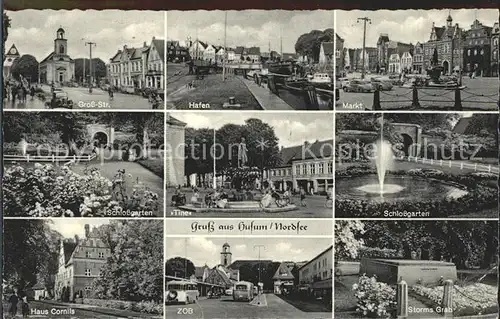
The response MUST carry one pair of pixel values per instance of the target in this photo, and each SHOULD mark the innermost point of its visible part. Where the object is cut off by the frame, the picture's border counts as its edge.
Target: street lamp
(260, 265)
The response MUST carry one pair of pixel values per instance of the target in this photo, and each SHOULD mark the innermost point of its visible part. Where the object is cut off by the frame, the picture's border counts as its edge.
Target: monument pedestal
(413, 272)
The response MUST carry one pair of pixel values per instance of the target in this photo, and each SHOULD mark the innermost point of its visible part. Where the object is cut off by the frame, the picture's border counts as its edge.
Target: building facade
(447, 41)
(155, 61)
(197, 49)
(127, 68)
(477, 49)
(340, 65)
(175, 152)
(418, 59)
(495, 52)
(308, 166)
(58, 66)
(283, 279)
(317, 274)
(10, 56)
(80, 263)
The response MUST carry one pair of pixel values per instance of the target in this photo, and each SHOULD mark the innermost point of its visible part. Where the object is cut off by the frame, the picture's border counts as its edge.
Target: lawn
(154, 165)
(211, 90)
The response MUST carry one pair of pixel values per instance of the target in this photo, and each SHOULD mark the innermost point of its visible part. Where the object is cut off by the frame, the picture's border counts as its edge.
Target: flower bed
(142, 306)
(375, 299)
(473, 299)
(481, 195)
(44, 191)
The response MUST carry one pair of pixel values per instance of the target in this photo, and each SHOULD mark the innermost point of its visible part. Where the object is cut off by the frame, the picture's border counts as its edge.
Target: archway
(407, 143)
(101, 138)
(446, 67)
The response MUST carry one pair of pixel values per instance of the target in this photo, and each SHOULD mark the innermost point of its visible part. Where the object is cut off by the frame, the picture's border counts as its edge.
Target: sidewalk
(266, 99)
(105, 311)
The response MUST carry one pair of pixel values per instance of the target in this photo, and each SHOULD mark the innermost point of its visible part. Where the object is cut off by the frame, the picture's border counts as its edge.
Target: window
(304, 169)
(297, 170)
(495, 41)
(330, 168)
(482, 52)
(61, 49)
(101, 254)
(475, 51)
(88, 273)
(468, 52)
(88, 254)
(321, 168)
(312, 169)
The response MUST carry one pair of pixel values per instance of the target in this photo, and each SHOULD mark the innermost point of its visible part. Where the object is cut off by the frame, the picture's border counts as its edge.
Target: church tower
(449, 21)
(225, 255)
(60, 43)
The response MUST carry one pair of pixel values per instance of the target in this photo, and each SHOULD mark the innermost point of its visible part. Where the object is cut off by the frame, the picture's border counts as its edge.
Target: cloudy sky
(33, 31)
(247, 28)
(201, 250)
(291, 128)
(71, 227)
(404, 25)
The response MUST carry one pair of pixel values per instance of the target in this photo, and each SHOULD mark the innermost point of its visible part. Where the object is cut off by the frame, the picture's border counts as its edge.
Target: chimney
(87, 230)
(144, 45)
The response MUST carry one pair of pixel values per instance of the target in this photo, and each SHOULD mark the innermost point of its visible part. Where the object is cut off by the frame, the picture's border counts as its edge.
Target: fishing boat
(321, 81)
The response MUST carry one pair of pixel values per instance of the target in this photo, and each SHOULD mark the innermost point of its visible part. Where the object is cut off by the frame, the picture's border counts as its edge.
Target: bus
(182, 291)
(243, 290)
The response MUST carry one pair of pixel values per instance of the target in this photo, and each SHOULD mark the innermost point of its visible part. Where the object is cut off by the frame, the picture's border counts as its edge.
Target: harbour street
(272, 307)
(82, 99)
(479, 94)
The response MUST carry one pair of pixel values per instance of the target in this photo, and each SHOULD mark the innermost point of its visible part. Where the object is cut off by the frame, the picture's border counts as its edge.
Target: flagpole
(225, 48)
(215, 181)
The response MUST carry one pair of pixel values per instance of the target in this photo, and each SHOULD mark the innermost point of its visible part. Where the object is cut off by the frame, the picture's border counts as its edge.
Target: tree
(30, 252)
(98, 66)
(131, 272)
(309, 44)
(347, 241)
(6, 26)
(27, 67)
(179, 267)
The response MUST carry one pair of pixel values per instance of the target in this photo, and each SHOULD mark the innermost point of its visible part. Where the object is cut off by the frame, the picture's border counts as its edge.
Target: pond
(396, 188)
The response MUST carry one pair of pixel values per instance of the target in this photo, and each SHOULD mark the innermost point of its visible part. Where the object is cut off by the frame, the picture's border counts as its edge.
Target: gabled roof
(254, 51)
(327, 48)
(239, 50)
(11, 47)
(68, 246)
(318, 149)
(160, 47)
(283, 273)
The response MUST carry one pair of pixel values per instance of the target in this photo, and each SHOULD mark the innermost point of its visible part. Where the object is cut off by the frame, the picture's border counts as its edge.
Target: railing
(449, 163)
(49, 158)
(425, 95)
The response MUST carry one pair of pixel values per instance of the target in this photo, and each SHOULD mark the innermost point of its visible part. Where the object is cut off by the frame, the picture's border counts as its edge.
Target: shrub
(142, 306)
(43, 191)
(375, 299)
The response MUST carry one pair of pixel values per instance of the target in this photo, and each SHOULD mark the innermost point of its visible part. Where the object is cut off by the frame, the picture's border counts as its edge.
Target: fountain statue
(242, 153)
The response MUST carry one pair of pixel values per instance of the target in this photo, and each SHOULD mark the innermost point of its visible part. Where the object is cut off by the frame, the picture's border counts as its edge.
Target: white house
(406, 61)
(220, 55)
(394, 63)
(209, 53)
(231, 55)
(197, 49)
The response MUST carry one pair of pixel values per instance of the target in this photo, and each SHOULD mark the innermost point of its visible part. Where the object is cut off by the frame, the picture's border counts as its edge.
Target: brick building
(477, 49)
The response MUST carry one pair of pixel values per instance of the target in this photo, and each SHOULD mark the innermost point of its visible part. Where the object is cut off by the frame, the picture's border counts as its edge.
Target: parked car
(359, 86)
(343, 82)
(229, 292)
(381, 84)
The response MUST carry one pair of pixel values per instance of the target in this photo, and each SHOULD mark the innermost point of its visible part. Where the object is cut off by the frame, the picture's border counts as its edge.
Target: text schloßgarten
(252, 226)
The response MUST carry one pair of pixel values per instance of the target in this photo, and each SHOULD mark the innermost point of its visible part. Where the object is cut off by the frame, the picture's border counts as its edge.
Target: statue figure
(242, 153)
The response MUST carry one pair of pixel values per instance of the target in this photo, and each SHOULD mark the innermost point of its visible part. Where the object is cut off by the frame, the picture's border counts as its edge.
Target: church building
(58, 66)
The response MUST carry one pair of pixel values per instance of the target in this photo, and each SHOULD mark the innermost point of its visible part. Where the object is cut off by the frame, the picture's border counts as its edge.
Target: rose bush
(45, 190)
(375, 299)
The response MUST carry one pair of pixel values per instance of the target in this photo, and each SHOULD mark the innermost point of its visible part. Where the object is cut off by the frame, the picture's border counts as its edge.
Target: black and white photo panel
(249, 165)
(83, 164)
(417, 60)
(422, 165)
(84, 60)
(250, 60)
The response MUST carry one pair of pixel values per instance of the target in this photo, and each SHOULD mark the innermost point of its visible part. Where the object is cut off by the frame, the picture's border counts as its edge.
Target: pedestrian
(32, 92)
(13, 300)
(303, 197)
(25, 307)
(14, 93)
